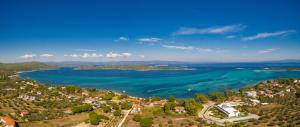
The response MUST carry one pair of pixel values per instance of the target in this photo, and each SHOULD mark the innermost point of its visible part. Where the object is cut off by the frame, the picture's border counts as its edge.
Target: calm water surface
(182, 84)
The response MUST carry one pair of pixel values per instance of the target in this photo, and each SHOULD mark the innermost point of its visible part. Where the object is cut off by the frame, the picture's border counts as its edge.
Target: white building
(228, 110)
(251, 94)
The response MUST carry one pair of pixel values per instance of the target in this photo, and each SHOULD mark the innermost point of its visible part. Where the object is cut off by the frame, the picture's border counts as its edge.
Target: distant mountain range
(83, 63)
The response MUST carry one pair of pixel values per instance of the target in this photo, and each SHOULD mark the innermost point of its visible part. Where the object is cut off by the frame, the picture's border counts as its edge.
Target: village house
(26, 97)
(85, 93)
(39, 93)
(160, 103)
(179, 109)
(228, 110)
(254, 102)
(23, 114)
(251, 94)
(88, 100)
(132, 100)
(136, 108)
(8, 122)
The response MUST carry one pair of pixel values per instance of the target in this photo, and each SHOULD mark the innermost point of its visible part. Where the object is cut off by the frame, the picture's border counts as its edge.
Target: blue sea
(203, 78)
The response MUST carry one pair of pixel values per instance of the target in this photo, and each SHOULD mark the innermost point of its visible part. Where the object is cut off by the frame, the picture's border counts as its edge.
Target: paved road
(205, 108)
(124, 118)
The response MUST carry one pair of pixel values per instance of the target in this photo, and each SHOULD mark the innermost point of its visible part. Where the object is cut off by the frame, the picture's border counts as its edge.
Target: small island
(281, 69)
(131, 67)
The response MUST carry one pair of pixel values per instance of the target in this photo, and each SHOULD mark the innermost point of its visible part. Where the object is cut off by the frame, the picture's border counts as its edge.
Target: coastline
(121, 91)
(115, 92)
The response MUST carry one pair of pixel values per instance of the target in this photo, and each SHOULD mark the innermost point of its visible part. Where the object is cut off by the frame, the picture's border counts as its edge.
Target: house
(8, 122)
(135, 108)
(85, 93)
(26, 97)
(39, 93)
(255, 101)
(23, 114)
(160, 103)
(88, 100)
(132, 100)
(179, 109)
(251, 94)
(228, 110)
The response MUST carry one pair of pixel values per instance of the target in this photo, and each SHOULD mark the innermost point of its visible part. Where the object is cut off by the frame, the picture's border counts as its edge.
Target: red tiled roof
(8, 121)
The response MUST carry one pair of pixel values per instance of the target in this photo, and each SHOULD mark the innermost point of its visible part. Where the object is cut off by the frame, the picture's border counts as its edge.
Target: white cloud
(28, 56)
(267, 35)
(268, 50)
(230, 37)
(92, 55)
(116, 55)
(178, 47)
(46, 55)
(205, 49)
(142, 56)
(210, 30)
(84, 55)
(123, 39)
(126, 54)
(193, 48)
(149, 39)
(86, 50)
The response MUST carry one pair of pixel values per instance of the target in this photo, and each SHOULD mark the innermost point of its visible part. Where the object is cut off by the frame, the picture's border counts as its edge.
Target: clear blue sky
(119, 30)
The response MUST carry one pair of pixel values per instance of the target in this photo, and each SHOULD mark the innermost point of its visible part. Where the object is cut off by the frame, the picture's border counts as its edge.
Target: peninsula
(131, 67)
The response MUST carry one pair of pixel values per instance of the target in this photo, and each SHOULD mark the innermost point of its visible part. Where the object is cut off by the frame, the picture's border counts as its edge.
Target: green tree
(137, 118)
(115, 106)
(146, 122)
(201, 98)
(191, 106)
(81, 108)
(94, 118)
(298, 93)
(126, 105)
(156, 98)
(106, 109)
(117, 112)
(229, 93)
(216, 96)
(73, 89)
(171, 98)
(168, 107)
(123, 96)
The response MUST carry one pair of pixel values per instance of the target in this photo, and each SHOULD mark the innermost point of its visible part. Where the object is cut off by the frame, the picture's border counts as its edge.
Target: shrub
(126, 105)
(94, 118)
(137, 118)
(146, 122)
(81, 108)
(117, 112)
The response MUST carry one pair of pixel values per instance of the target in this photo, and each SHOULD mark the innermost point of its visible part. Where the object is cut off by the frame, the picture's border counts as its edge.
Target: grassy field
(64, 122)
(162, 119)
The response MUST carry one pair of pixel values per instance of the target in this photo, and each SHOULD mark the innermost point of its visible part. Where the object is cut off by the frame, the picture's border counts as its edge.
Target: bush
(81, 108)
(146, 122)
(106, 109)
(94, 118)
(117, 112)
(126, 105)
(191, 106)
(201, 98)
(171, 98)
(137, 118)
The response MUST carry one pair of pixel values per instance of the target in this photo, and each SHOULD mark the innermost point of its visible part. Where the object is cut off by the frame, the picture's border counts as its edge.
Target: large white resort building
(228, 110)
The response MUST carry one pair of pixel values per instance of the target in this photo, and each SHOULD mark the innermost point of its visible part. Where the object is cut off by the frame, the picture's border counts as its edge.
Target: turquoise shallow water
(182, 84)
